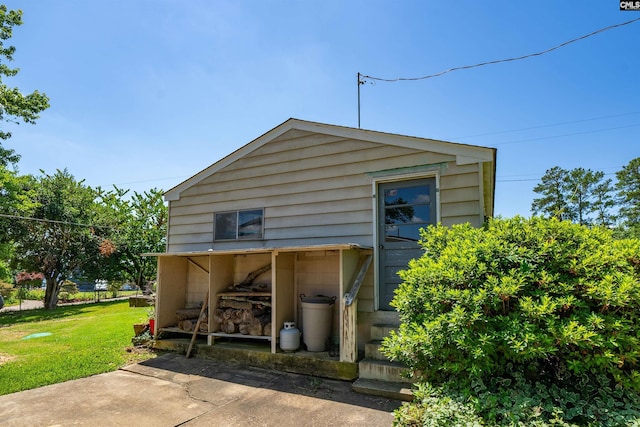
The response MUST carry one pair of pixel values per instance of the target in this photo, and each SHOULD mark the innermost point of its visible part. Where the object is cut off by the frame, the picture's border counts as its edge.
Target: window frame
(238, 228)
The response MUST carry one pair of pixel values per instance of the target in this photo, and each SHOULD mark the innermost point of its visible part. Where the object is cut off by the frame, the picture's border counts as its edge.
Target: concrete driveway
(171, 390)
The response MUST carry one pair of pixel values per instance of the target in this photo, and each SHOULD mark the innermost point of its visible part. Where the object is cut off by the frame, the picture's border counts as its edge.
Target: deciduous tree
(57, 238)
(14, 106)
(136, 225)
(14, 190)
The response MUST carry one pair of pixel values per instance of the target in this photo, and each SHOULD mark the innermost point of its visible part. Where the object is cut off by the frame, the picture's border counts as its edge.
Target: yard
(41, 347)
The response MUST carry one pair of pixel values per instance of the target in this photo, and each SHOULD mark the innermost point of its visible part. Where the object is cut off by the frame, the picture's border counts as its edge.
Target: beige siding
(314, 189)
(460, 195)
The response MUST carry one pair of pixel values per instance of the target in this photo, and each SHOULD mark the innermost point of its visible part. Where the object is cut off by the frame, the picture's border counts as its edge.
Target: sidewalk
(26, 305)
(171, 390)
(35, 304)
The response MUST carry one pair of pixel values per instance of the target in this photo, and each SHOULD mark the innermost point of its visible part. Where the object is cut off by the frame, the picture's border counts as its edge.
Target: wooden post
(197, 328)
(349, 347)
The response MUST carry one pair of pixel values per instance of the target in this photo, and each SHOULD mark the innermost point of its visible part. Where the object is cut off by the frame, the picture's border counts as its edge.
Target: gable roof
(465, 154)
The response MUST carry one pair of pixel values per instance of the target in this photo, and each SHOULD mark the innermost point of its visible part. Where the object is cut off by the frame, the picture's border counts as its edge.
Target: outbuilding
(307, 210)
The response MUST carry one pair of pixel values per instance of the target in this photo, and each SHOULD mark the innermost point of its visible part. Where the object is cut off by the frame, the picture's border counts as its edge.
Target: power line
(566, 134)
(498, 61)
(53, 221)
(532, 179)
(547, 126)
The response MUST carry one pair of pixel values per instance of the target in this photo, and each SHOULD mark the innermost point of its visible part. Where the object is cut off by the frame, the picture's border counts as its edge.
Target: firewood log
(246, 316)
(187, 324)
(217, 315)
(259, 303)
(265, 318)
(255, 327)
(228, 327)
(258, 311)
(245, 284)
(187, 313)
(204, 327)
(236, 316)
(243, 328)
(226, 303)
(266, 330)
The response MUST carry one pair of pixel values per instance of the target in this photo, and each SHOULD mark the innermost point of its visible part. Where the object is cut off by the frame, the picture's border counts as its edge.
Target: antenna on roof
(360, 82)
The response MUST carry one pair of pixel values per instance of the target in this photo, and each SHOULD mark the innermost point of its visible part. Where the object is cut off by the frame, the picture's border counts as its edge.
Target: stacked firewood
(188, 318)
(246, 315)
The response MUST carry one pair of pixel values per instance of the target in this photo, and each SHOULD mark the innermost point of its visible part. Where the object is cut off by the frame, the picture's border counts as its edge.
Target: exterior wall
(315, 189)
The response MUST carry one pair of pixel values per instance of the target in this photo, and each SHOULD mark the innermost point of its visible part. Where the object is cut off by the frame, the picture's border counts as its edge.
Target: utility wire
(564, 135)
(544, 126)
(533, 179)
(52, 221)
(501, 60)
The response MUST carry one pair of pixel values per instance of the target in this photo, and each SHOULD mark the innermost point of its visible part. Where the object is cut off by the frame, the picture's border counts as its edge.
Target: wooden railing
(349, 347)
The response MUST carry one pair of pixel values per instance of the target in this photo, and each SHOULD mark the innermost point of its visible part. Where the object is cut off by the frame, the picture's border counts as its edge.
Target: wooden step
(391, 390)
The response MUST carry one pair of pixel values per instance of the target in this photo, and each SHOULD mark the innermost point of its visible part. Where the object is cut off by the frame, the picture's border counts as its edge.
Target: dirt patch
(5, 358)
(137, 354)
(13, 335)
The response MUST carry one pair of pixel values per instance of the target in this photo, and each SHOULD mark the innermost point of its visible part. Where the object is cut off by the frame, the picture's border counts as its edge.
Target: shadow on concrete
(306, 385)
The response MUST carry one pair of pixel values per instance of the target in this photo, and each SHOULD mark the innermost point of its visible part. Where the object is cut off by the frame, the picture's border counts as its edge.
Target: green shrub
(114, 287)
(68, 290)
(519, 402)
(549, 302)
(69, 287)
(6, 289)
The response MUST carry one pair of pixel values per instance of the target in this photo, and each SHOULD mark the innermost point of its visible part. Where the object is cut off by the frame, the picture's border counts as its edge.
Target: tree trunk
(51, 292)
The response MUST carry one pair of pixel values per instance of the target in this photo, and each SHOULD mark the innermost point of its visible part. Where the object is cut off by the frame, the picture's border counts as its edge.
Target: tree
(57, 238)
(14, 106)
(604, 203)
(14, 190)
(135, 225)
(575, 195)
(628, 187)
(580, 185)
(553, 202)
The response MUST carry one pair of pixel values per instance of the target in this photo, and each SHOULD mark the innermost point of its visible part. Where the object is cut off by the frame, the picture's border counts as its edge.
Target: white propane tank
(289, 337)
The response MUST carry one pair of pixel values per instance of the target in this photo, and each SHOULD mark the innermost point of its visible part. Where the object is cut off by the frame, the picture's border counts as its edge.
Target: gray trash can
(317, 312)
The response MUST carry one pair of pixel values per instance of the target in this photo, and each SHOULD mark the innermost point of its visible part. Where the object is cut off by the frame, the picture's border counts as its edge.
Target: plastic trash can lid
(318, 299)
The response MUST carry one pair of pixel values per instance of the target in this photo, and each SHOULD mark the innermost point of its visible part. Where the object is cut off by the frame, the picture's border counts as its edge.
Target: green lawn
(84, 340)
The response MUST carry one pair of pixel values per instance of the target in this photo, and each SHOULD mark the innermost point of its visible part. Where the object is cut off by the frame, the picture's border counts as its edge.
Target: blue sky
(146, 93)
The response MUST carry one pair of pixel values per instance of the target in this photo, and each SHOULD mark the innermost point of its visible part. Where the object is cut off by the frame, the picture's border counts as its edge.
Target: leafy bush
(519, 402)
(546, 301)
(6, 289)
(114, 287)
(32, 294)
(67, 290)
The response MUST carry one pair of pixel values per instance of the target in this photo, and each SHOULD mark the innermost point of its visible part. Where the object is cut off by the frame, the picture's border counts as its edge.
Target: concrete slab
(171, 390)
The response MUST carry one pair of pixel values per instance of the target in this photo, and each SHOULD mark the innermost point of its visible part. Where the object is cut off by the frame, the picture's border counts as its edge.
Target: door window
(406, 210)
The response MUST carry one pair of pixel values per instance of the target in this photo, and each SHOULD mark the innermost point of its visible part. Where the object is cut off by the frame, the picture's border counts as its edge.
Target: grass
(85, 340)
